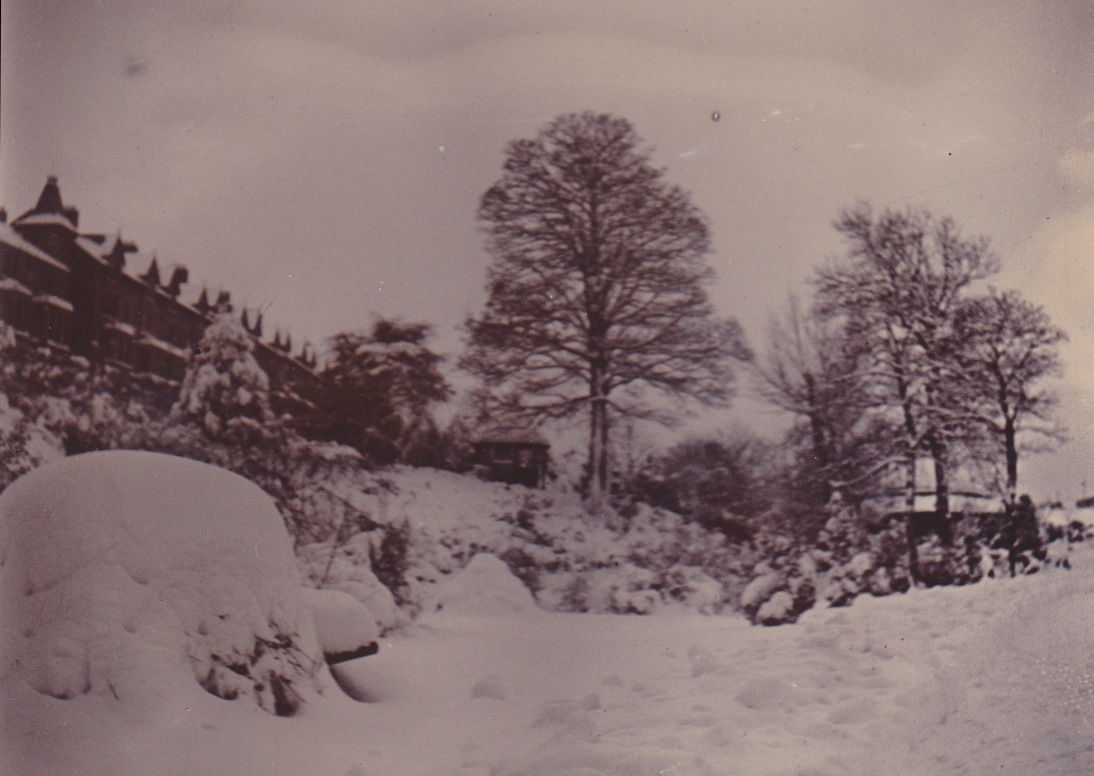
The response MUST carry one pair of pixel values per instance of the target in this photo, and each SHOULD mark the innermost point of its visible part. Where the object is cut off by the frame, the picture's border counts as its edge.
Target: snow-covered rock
(139, 576)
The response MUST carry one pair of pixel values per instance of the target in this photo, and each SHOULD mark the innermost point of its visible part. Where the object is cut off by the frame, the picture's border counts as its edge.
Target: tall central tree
(596, 292)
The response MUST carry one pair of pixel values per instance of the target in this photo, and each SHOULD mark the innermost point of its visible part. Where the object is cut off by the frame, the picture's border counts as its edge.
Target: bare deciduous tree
(596, 297)
(807, 370)
(897, 292)
(1007, 346)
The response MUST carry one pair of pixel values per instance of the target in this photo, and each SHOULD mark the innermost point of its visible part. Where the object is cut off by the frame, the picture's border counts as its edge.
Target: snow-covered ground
(986, 679)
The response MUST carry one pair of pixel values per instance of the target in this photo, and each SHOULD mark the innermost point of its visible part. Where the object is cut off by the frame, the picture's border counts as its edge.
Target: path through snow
(981, 680)
(1018, 693)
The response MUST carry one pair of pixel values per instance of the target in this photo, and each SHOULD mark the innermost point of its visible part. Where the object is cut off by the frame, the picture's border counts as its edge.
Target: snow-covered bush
(777, 609)
(136, 575)
(853, 556)
(37, 387)
(761, 588)
(57, 404)
(8, 337)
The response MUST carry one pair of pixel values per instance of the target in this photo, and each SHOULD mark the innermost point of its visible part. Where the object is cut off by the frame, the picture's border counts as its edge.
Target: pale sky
(325, 160)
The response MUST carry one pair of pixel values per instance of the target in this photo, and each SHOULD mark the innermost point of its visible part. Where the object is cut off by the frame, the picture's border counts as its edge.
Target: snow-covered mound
(484, 587)
(137, 576)
(342, 623)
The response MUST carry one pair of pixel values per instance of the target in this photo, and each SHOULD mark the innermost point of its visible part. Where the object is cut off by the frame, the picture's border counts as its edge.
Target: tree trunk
(941, 489)
(603, 468)
(820, 444)
(596, 441)
(1010, 435)
(910, 459)
(909, 517)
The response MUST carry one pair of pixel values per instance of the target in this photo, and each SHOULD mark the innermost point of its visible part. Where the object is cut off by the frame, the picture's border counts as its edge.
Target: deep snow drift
(986, 679)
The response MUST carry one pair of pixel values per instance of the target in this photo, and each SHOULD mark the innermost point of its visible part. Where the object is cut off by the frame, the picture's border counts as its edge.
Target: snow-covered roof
(54, 301)
(47, 219)
(11, 284)
(121, 326)
(97, 251)
(166, 347)
(9, 236)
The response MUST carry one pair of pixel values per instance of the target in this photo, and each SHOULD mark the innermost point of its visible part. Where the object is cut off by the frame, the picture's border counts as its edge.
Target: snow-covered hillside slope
(985, 679)
(572, 561)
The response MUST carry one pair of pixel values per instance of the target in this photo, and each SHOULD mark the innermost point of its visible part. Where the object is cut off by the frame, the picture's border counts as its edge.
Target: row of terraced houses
(77, 291)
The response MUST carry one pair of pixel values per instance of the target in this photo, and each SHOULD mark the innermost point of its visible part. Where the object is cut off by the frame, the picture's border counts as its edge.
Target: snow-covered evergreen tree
(225, 391)
(379, 387)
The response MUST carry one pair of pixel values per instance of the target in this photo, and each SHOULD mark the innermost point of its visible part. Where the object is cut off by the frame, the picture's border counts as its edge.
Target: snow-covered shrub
(694, 588)
(857, 554)
(8, 338)
(655, 558)
(624, 589)
(947, 564)
(524, 564)
(780, 564)
(853, 554)
(37, 390)
(136, 575)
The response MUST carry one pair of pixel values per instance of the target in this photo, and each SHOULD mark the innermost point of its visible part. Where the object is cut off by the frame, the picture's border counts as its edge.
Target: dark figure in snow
(1021, 536)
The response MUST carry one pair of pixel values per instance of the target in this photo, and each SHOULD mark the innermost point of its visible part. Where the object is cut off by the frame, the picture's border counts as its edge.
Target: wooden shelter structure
(516, 457)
